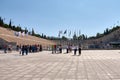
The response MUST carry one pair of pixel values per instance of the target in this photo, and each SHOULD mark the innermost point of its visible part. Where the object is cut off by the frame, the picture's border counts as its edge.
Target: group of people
(79, 50)
(7, 48)
(69, 48)
(25, 49)
(29, 48)
(56, 48)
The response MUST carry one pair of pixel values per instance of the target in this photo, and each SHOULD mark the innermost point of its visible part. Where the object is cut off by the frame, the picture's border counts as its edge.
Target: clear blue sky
(50, 16)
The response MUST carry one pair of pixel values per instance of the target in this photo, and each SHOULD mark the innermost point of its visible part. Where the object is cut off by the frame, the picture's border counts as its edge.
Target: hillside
(103, 42)
(9, 36)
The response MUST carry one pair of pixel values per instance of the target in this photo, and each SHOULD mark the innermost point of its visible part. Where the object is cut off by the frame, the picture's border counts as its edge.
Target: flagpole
(117, 23)
(77, 37)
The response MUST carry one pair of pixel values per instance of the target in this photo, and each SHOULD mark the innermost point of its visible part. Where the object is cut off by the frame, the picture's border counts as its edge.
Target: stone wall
(3, 42)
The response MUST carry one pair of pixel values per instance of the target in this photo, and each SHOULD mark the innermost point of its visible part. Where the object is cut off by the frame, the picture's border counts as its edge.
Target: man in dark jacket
(79, 50)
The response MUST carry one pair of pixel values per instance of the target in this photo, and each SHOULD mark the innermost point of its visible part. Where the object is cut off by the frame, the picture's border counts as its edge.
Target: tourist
(55, 48)
(70, 48)
(5, 48)
(23, 49)
(17, 48)
(26, 49)
(30, 48)
(20, 49)
(67, 50)
(9, 48)
(52, 49)
(60, 49)
(40, 48)
(75, 50)
(79, 50)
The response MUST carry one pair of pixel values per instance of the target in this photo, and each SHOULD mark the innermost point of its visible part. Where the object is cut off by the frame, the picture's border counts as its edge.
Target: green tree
(6, 26)
(10, 24)
(44, 36)
(83, 37)
(14, 28)
(37, 35)
(26, 30)
(33, 33)
(64, 38)
(80, 37)
(98, 35)
(106, 31)
(1, 22)
(18, 28)
(75, 37)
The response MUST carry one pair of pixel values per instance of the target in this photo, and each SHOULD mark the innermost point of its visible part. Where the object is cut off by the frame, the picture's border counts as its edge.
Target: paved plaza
(91, 65)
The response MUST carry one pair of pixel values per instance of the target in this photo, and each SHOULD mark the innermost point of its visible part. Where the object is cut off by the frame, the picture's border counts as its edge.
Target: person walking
(79, 50)
(52, 49)
(40, 48)
(5, 48)
(67, 50)
(75, 50)
(20, 49)
(26, 49)
(55, 48)
(60, 49)
(23, 50)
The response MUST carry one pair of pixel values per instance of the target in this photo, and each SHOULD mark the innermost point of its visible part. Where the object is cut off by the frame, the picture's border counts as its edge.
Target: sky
(50, 16)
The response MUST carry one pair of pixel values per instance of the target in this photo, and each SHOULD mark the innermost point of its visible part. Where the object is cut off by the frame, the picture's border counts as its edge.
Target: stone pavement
(91, 65)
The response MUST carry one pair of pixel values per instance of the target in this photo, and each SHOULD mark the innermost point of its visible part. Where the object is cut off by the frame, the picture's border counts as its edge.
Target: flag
(60, 32)
(69, 33)
(79, 32)
(65, 31)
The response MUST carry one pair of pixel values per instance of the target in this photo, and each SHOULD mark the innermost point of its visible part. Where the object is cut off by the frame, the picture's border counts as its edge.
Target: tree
(10, 24)
(6, 26)
(26, 30)
(74, 37)
(37, 35)
(14, 28)
(80, 37)
(33, 33)
(83, 36)
(106, 31)
(98, 35)
(44, 36)
(64, 38)
(1, 22)
(18, 28)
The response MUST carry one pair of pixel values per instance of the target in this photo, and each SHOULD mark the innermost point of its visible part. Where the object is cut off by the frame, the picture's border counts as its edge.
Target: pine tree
(107, 31)
(10, 24)
(1, 22)
(42, 35)
(26, 30)
(74, 37)
(14, 28)
(33, 33)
